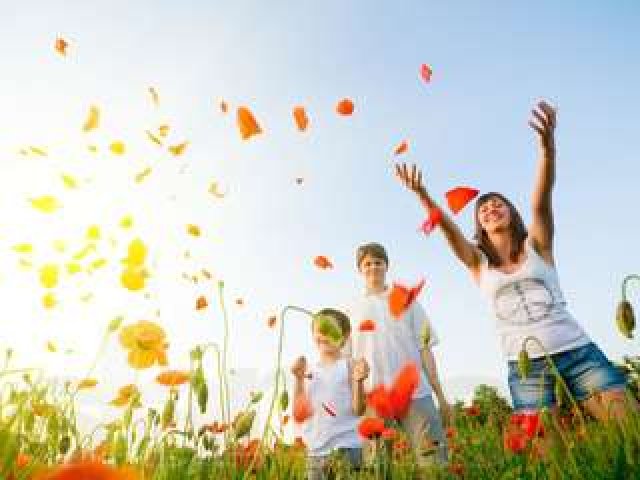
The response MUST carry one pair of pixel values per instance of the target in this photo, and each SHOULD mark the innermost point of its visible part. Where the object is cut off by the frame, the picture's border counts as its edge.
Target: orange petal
(178, 149)
(459, 197)
(247, 123)
(401, 148)
(398, 300)
(345, 107)
(61, 46)
(300, 116)
(193, 230)
(173, 378)
(322, 262)
(271, 322)
(201, 302)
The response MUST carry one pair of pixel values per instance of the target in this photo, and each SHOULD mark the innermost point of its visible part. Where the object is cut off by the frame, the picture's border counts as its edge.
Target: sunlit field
(182, 189)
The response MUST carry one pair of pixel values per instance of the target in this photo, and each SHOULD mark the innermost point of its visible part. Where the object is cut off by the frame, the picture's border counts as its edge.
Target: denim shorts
(316, 466)
(585, 370)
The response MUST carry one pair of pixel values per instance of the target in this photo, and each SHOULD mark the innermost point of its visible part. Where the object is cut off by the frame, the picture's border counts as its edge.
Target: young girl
(329, 397)
(515, 268)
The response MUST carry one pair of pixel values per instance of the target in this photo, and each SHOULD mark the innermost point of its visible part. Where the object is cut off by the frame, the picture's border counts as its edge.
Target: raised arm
(541, 229)
(466, 251)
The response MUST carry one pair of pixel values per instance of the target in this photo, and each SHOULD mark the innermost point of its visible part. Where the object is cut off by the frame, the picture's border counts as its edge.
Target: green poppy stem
(625, 282)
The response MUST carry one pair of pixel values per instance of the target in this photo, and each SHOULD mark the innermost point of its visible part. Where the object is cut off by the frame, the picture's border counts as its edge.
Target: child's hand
(360, 370)
(299, 368)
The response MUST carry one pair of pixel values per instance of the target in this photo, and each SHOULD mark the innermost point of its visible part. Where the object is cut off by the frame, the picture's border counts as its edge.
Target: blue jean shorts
(585, 370)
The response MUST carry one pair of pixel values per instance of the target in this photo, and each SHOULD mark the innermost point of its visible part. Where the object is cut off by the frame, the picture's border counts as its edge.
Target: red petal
(367, 325)
(459, 197)
(425, 72)
(345, 107)
(404, 387)
(302, 409)
(370, 427)
(415, 292)
(398, 300)
(247, 123)
(322, 262)
(380, 401)
(435, 217)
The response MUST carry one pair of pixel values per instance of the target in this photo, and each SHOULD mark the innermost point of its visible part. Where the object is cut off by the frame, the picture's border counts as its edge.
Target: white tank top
(333, 424)
(528, 302)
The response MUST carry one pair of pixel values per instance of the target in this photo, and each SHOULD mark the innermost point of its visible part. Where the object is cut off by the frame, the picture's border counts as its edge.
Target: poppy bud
(625, 319)
(524, 364)
(243, 423)
(203, 396)
(284, 400)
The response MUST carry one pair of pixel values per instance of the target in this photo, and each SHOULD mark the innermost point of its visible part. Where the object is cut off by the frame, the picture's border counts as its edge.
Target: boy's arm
(358, 372)
(429, 364)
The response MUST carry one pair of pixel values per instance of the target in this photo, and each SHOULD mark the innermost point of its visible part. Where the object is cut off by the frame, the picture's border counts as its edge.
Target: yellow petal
(73, 268)
(140, 359)
(154, 96)
(93, 119)
(126, 221)
(45, 203)
(153, 138)
(93, 232)
(117, 148)
(193, 230)
(51, 347)
(133, 279)
(178, 149)
(49, 275)
(69, 181)
(99, 263)
(38, 151)
(87, 383)
(92, 148)
(139, 178)
(80, 254)
(49, 300)
(23, 248)
(163, 130)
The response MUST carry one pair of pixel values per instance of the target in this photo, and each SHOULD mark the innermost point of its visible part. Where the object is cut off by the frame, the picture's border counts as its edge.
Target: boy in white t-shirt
(390, 343)
(329, 397)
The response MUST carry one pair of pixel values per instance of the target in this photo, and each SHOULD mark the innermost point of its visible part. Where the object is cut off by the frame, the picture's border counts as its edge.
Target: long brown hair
(516, 226)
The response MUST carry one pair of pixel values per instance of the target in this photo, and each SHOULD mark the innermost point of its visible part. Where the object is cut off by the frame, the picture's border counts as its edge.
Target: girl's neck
(502, 244)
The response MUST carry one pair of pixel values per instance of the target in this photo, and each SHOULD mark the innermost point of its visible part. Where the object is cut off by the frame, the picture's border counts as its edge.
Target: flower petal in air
(401, 148)
(459, 197)
(93, 119)
(367, 325)
(247, 123)
(300, 117)
(322, 262)
(345, 107)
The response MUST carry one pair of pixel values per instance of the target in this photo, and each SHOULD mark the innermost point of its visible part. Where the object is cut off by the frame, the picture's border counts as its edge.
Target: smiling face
(374, 271)
(493, 214)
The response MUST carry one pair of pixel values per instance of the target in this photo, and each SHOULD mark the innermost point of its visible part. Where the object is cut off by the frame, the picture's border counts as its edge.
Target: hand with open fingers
(543, 121)
(360, 370)
(299, 367)
(411, 178)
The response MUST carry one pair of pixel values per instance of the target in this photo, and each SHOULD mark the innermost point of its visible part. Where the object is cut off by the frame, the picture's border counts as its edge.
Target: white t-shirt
(332, 424)
(393, 343)
(529, 302)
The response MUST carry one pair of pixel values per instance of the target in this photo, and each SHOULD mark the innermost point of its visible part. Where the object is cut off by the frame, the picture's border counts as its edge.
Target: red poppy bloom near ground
(371, 428)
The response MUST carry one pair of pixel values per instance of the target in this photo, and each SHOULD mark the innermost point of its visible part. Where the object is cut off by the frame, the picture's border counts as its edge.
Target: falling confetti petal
(271, 321)
(49, 300)
(367, 326)
(69, 182)
(401, 298)
(51, 347)
(93, 119)
(224, 108)
(247, 123)
(163, 130)
(117, 148)
(434, 219)
(300, 117)
(155, 98)
(345, 107)
(153, 138)
(425, 72)
(193, 230)
(201, 303)
(23, 248)
(93, 232)
(45, 204)
(459, 197)
(49, 275)
(140, 176)
(126, 221)
(38, 151)
(178, 149)
(322, 262)
(61, 46)
(401, 148)
(213, 190)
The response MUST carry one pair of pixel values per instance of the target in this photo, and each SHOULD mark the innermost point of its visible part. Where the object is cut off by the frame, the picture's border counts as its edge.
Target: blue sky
(491, 60)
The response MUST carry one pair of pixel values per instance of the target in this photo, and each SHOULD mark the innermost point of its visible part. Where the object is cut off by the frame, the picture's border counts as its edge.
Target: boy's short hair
(374, 249)
(341, 319)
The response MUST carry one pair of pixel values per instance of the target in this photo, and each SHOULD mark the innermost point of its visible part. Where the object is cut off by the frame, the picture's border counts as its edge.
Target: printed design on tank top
(523, 302)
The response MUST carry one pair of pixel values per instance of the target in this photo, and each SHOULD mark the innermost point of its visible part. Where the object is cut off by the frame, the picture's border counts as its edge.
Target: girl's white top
(332, 424)
(393, 343)
(529, 302)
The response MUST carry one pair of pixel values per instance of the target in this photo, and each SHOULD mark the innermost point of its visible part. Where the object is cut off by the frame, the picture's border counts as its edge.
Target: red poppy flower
(401, 298)
(473, 410)
(393, 403)
(515, 440)
(367, 325)
(371, 428)
(459, 197)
